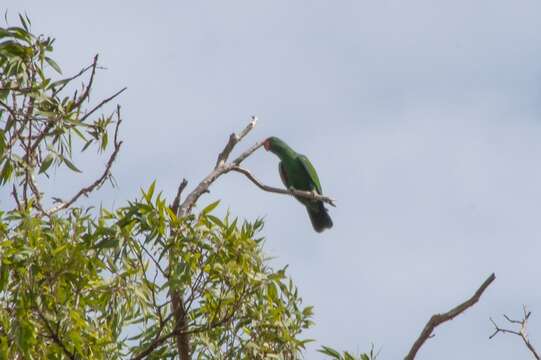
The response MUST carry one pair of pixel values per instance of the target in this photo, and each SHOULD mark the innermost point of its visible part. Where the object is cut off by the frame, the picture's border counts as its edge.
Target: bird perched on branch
(297, 172)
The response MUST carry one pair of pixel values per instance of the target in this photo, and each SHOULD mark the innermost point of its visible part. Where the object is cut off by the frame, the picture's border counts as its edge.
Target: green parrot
(298, 172)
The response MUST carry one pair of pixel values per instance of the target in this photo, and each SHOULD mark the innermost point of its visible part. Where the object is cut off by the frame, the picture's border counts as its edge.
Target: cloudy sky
(422, 117)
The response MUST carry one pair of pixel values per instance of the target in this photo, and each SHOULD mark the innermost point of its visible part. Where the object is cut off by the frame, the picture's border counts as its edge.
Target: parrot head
(267, 144)
(272, 143)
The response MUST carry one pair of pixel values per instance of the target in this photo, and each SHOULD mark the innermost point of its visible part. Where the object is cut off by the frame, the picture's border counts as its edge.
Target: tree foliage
(78, 282)
(148, 280)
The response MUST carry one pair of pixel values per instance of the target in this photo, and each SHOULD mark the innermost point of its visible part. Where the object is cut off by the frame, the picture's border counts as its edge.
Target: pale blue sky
(423, 119)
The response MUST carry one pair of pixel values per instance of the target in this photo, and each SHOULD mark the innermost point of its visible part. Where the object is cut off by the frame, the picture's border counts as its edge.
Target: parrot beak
(266, 144)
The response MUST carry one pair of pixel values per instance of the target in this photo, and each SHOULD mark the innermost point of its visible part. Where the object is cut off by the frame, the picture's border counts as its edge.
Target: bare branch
(176, 201)
(247, 153)
(221, 167)
(106, 173)
(103, 102)
(522, 333)
(86, 91)
(438, 319)
(233, 140)
(292, 192)
(66, 81)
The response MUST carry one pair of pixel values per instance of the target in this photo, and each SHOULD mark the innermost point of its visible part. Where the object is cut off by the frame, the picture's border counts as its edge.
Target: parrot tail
(320, 217)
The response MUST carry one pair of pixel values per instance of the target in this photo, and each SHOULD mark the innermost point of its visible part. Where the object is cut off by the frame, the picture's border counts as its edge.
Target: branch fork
(522, 332)
(438, 319)
(180, 307)
(223, 167)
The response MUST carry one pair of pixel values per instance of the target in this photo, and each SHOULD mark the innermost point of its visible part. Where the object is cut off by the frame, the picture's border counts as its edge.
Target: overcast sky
(422, 117)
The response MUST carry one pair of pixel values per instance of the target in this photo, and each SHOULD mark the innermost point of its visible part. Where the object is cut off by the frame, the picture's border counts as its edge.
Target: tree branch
(55, 336)
(103, 102)
(292, 192)
(439, 319)
(66, 81)
(98, 182)
(522, 333)
(221, 167)
(233, 140)
(176, 201)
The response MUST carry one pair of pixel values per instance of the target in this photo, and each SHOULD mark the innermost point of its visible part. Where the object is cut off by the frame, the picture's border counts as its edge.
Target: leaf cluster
(42, 115)
(83, 283)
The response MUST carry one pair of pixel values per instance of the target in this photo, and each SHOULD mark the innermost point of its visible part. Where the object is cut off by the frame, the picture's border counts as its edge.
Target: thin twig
(221, 167)
(438, 319)
(66, 81)
(9, 109)
(233, 140)
(98, 182)
(522, 333)
(55, 336)
(86, 91)
(103, 102)
(292, 192)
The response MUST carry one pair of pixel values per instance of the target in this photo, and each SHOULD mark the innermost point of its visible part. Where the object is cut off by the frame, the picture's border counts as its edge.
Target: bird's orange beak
(266, 144)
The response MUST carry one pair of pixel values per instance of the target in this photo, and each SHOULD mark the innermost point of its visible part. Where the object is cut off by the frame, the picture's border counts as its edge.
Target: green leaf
(69, 164)
(107, 243)
(4, 33)
(208, 209)
(330, 351)
(88, 143)
(4, 348)
(2, 142)
(7, 170)
(46, 163)
(272, 291)
(23, 22)
(150, 192)
(53, 64)
(3, 276)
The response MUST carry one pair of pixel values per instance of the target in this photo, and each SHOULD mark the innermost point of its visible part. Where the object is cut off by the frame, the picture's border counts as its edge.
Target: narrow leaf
(46, 163)
(53, 64)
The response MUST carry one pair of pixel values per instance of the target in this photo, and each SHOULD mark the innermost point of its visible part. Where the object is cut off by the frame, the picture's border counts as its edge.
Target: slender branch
(9, 109)
(103, 102)
(221, 167)
(292, 192)
(176, 201)
(98, 182)
(87, 88)
(77, 102)
(522, 333)
(66, 81)
(55, 336)
(233, 140)
(177, 331)
(439, 319)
